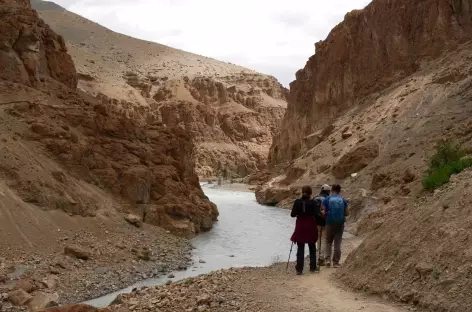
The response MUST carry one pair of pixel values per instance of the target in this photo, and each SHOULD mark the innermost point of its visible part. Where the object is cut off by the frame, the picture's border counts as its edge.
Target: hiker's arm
(294, 210)
(324, 208)
(346, 209)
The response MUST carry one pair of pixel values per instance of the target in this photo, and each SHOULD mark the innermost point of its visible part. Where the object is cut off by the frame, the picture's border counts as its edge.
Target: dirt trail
(284, 291)
(318, 292)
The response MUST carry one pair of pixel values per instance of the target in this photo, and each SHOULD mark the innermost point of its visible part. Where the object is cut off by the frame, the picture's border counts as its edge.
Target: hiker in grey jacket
(325, 192)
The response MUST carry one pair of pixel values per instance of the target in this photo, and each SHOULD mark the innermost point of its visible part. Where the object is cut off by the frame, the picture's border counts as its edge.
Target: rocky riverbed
(82, 267)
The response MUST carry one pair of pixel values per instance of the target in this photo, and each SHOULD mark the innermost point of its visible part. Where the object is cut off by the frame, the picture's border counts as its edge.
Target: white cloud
(272, 36)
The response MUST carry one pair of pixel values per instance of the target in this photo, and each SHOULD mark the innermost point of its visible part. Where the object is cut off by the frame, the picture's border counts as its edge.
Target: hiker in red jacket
(306, 231)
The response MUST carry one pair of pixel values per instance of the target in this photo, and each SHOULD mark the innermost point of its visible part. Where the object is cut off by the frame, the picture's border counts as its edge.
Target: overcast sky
(275, 37)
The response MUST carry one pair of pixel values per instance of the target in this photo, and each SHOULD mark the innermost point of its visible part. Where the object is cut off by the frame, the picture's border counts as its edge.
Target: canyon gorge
(105, 140)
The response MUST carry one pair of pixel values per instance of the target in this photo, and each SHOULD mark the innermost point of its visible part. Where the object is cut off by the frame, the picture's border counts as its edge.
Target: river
(246, 234)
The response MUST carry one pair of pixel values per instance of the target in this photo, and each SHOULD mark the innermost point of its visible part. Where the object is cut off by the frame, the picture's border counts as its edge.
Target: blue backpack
(336, 206)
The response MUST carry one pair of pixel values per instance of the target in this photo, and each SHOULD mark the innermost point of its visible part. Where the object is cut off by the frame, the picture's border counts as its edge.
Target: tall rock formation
(386, 84)
(368, 52)
(230, 112)
(148, 166)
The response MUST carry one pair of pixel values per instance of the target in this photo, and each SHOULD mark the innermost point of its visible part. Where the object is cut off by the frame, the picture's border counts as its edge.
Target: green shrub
(446, 152)
(448, 160)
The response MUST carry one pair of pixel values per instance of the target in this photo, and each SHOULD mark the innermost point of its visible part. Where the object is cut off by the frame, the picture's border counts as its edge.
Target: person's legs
(312, 248)
(329, 244)
(300, 257)
(321, 235)
(338, 237)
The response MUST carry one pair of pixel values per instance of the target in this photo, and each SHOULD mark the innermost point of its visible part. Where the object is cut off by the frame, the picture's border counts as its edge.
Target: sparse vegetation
(449, 159)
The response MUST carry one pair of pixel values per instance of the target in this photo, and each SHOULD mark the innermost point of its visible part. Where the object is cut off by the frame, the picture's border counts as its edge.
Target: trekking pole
(290, 253)
(321, 246)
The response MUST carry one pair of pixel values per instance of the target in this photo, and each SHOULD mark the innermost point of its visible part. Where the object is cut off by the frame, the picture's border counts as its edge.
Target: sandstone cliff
(373, 101)
(230, 112)
(133, 156)
(73, 165)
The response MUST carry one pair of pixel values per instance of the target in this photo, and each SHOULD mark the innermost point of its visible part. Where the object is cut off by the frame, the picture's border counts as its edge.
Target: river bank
(91, 262)
(269, 288)
(234, 241)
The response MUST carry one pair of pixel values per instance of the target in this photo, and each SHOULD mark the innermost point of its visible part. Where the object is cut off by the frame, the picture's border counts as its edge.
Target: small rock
(117, 300)
(346, 135)
(168, 282)
(43, 301)
(204, 299)
(201, 261)
(101, 270)
(25, 285)
(19, 297)
(50, 282)
(424, 268)
(448, 282)
(54, 271)
(3, 278)
(171, 276)
(4, 297)
(144, 255)
(134, 220)
(231, 256)
(408, 176)
(77, 252)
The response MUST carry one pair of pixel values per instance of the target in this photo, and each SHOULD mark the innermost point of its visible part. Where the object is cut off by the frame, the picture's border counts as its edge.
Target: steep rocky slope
(421, 254)
(373, 101)
(72, 166)
(230, 112)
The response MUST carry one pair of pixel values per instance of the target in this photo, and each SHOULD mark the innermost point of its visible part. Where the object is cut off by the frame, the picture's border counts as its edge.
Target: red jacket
(304, 209)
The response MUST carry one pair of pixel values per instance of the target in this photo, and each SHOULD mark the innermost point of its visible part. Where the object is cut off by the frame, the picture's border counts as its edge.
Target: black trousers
(301, 256)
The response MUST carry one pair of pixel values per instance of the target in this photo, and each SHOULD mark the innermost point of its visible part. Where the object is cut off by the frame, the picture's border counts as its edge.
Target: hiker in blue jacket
(335, 210)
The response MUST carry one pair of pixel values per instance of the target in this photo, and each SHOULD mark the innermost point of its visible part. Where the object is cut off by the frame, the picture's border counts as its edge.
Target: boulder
(19, 297)
(42, 301)
(25, 285)
(134, 220)
(355, 160)
(77, 252)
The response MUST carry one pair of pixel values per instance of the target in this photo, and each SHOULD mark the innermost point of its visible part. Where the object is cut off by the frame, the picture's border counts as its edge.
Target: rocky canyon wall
(369, 51)
(230, 112)
(148, 167)
(386, 85)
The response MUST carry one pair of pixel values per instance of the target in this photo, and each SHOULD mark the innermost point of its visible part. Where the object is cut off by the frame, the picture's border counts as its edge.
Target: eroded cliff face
(368, 52)
(94, 145)
(388, 83)
(230, 112)
(30, 48)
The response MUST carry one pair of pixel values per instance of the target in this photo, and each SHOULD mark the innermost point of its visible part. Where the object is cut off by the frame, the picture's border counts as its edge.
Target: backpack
(336, 210)
(320, 220)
